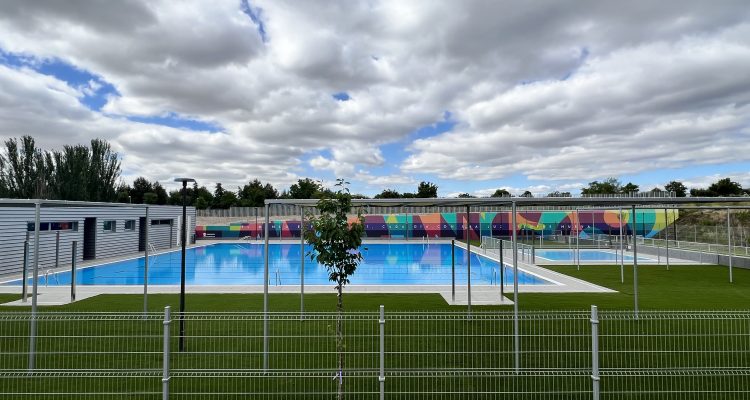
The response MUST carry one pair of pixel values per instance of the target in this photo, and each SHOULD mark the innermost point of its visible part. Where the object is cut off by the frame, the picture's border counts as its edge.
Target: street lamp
(182, 269)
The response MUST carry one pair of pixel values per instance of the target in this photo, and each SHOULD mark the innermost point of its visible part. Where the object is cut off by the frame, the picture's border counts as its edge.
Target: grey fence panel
(425, 355)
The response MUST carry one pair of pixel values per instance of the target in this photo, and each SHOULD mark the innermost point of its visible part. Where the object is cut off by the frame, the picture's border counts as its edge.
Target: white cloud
(671, 93)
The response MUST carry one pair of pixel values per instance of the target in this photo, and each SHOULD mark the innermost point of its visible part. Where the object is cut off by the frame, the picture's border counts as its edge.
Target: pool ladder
(46, 277)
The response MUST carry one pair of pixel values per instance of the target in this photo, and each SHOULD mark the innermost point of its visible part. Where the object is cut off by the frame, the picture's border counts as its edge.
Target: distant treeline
(92, 173)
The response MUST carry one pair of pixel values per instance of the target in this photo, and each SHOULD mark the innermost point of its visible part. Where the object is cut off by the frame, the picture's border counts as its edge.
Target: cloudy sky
(472, 95)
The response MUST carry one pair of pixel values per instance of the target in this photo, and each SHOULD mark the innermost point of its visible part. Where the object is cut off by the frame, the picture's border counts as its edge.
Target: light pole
(182, 265)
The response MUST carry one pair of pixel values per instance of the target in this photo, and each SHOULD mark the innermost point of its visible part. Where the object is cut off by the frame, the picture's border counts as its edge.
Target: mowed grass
(682, 287)
(453, 344)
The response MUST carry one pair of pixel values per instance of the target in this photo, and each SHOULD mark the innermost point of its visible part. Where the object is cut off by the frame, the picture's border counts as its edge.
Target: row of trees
(721, 188)
(77, 172)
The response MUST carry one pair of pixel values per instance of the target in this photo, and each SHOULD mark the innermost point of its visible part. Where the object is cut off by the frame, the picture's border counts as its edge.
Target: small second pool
(585, 255)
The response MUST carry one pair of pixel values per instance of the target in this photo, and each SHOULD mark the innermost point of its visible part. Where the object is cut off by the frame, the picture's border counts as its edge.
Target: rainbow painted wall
(451, 225)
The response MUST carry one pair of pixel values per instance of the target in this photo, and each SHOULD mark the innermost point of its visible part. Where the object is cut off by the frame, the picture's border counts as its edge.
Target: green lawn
(414, 345)
(684, 287)
(680, 288)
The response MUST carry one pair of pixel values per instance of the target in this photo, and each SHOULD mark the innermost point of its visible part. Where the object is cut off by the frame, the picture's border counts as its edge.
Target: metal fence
(415, 355)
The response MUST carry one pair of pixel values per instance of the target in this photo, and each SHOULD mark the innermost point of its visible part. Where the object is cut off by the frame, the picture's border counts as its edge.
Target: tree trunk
(340, 338)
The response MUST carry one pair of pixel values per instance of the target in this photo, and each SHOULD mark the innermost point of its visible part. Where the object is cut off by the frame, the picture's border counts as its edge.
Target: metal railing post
(729, 244)
(595, 351)
(666, 235)
(302, 263)
(35, 287)
(381, 377)
(24, 277)
(516, 328)
(468, 260)
(57, 249)
(502, 270)
(622, 252)
(74, 251)
(453, 271)
(578, 246)
(265, 289)
(635, 267)
(165, 355)
(145, 263)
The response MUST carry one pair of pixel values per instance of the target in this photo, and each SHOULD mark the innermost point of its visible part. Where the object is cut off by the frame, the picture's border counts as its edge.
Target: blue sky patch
(175, 121)
(341, 96)
(256, 15)
(94, 88)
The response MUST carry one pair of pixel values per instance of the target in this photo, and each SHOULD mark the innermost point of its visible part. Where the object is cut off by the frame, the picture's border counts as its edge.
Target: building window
(161, 222)
(110, 226)
(54, 226)
(130, 225)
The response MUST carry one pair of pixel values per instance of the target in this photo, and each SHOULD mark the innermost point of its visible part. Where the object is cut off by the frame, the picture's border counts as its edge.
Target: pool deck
(480, 294)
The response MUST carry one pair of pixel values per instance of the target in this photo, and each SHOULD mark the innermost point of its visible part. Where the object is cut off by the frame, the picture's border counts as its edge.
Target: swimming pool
(585, 255)
(243, 264)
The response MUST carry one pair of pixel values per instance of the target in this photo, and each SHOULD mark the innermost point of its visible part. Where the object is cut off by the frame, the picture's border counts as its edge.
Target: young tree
(335, 244)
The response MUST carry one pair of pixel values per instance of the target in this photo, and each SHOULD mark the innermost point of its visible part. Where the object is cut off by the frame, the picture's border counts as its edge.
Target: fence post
(453, 271)
(729, 243)
(595, 351)
(165, 355)
(381, 378)
(502, 270)
(73, 272)
(57, 250)
(24, 283)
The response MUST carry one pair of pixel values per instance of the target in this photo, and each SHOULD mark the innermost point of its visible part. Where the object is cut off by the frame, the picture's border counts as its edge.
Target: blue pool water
(242, 264)
(586, 255)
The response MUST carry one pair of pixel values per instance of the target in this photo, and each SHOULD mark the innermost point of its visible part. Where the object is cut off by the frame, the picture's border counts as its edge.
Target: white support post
(302, 262)
(145, 264)
(516, 336)
(25, 274)
(729, 243)
(165, 355)
(35, 286)
(381, 377)
(635, 267)
(468, 260)
(595, 351)
(73, 252)
(666, 234)
(622, 252)
(265, 292)
(578, 237)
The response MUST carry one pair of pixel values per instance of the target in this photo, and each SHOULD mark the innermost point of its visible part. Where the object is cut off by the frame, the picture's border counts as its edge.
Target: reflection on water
(242, 264)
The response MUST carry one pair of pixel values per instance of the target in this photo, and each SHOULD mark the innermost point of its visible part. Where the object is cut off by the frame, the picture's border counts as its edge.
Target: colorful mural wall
(452, 225)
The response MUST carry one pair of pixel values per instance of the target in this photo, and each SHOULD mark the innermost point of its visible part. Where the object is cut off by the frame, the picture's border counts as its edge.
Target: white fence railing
(711, 248)
(414, 355)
